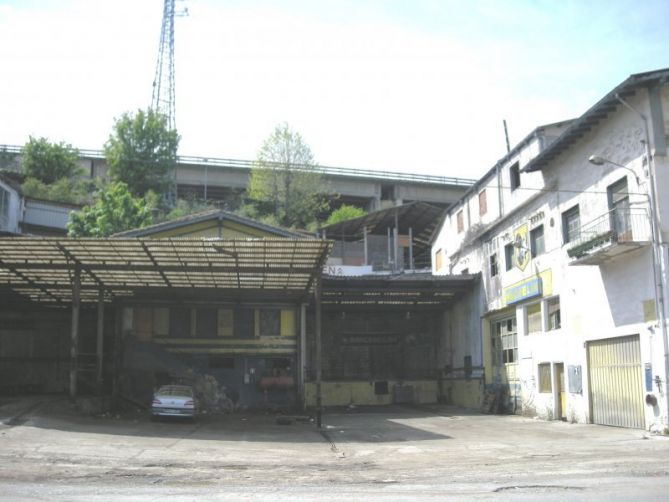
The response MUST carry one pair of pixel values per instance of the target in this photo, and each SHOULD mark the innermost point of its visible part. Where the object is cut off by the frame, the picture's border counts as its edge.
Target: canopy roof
(43, 269)
(404, 291)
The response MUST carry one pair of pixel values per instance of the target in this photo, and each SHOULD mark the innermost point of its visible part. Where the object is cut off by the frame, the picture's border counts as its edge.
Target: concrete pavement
(394, 453)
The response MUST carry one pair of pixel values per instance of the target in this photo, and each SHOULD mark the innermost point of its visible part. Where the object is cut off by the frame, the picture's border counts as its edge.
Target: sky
(418, 86)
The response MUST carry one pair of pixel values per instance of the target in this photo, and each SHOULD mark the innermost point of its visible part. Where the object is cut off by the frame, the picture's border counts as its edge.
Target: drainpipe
(658, 262)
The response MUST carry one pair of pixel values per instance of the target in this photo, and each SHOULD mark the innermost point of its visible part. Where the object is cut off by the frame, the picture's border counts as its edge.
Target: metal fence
(619, 225)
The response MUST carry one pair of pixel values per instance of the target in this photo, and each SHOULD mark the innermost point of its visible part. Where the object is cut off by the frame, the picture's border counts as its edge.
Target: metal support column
(411, 248)
(303, 354)
(100, 338)
(319, 400)
(364, 240)
(74, 333)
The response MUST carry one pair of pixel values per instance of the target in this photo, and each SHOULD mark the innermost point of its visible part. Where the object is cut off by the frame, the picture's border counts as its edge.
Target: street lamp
(600, 161)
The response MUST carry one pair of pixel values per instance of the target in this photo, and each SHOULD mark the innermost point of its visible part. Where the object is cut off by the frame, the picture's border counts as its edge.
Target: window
(494, 269)
(461, 221)
(180, 322)
(437, 260)
(619, 204)
(537, 245)
(505, 341)
(545, 378)
(206, 325)
(226, 322)
(553, 313)
(4, 208)
(270, 322)
(508, 256)
(483, 203)
(571, 224)
(514, 174)
(534, 318)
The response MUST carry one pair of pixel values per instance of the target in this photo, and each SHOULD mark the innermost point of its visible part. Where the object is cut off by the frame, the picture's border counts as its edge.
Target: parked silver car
(174, 401)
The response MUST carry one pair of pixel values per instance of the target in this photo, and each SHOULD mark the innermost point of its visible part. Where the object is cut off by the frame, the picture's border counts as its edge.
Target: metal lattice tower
(163, 96)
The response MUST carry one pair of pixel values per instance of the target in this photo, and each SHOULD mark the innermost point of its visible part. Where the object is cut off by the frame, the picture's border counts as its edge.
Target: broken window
(269, 322)
(553, 312)
(505, 341)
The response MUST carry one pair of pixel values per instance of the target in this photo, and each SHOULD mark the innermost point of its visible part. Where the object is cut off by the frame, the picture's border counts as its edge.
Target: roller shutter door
(614, 371)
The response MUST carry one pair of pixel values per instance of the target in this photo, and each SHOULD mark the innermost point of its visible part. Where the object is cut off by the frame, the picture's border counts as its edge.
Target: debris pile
(212, 395)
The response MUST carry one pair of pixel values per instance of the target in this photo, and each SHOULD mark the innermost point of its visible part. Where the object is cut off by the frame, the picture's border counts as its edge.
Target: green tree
(73, 191)
(345, 212)
(142, 152)
(49, 162)
(284, 184)
(114, 210)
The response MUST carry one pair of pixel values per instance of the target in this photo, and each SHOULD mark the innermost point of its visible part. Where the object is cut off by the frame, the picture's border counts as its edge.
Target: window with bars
(545, 384)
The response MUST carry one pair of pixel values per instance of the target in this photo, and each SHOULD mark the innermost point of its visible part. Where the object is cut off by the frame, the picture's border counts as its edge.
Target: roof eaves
(592, 117)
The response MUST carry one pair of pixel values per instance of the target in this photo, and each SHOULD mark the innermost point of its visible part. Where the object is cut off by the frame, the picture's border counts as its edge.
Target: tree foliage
(141, 151)
(114, 210)
(284, 185)
(345, 212)
(68, 190)
(49, 162)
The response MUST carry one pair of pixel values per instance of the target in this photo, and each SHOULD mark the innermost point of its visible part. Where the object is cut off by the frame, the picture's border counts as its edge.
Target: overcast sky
(398, 85)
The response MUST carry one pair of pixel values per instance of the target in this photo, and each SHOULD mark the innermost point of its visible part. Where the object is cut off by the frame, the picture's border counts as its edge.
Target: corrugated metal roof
(42, 269)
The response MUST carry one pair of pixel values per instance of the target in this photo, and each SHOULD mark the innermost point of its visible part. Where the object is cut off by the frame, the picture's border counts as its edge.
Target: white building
(565, 324)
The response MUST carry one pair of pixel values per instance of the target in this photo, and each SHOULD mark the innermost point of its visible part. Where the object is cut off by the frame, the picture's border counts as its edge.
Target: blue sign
(522, 291)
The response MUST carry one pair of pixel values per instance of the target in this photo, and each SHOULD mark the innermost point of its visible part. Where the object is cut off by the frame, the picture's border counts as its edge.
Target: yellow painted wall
(288, 322)
(465, 393)
(362, 393)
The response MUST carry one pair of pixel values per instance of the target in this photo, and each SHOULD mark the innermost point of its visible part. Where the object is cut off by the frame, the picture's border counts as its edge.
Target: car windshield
(174, 390)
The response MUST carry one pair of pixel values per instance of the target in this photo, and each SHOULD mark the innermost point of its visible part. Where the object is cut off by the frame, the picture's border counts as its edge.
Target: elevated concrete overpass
(219, 178)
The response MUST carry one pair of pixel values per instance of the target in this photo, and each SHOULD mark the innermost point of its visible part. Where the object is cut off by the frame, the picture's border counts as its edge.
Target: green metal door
(616, 392)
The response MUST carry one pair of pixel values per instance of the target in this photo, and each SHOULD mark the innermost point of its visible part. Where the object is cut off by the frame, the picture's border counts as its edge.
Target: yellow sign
(521, 254)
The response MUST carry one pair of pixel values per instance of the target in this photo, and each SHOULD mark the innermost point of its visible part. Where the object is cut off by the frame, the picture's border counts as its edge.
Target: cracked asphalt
(49, 452)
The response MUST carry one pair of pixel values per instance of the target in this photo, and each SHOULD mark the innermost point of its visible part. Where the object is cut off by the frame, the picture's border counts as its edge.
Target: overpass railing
(216, 162)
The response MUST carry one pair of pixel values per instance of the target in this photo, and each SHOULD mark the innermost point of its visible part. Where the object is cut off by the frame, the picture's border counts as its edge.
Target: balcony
(615, 232)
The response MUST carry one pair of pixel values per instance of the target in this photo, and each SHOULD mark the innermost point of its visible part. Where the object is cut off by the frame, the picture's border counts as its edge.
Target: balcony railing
(614, 232)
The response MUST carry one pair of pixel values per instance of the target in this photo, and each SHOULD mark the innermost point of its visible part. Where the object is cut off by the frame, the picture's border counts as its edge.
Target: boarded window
(226, 322)
(180, 322)
(553, 312)
(143, 323)
(437, 260)
(545, 378)
(269, 322)
(207, 323)
(161, 321)
(483, 203)
(534, 318)
(461, 221)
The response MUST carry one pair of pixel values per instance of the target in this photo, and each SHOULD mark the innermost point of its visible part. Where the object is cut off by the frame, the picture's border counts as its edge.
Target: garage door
(616, 395)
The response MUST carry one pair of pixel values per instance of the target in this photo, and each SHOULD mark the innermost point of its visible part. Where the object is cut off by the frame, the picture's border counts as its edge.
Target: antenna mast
(163, 96)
